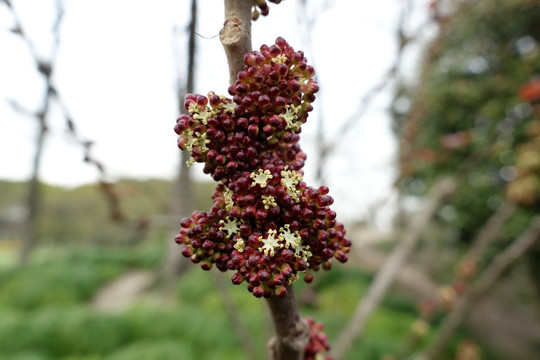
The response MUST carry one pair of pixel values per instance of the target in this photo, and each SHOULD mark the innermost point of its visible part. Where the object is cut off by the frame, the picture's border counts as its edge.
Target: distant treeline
(81, 215)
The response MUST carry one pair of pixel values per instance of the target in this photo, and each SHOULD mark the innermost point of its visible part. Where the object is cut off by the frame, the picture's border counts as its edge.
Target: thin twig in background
(46, 69)
(182, 200)
(388, 272)
(480, 287)
(466, 268)
(489, 233)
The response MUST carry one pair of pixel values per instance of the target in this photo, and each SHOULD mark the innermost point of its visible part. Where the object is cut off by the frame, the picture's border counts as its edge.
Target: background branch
(480, 287)
(388, 272)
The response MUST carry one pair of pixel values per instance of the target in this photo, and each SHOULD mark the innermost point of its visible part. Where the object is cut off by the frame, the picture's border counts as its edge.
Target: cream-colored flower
(260, 177)
(270, 243)
(292, 239)
(268, 201)
(291, 117)
(231, 226)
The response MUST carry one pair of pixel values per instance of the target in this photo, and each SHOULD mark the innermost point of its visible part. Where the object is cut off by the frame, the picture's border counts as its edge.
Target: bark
(236, 34)
(292, 331)
(391, 268)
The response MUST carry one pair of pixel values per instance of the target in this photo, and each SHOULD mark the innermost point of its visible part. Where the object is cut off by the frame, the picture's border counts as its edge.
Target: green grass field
(45, 310)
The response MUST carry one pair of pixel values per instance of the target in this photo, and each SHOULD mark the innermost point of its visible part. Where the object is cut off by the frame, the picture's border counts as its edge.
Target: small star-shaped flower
(302, 252)
(290, 179)
(227, 198)
(203, 115)
(190, 140)
(201, 141)
(290, 116)
(229, 107)
(268, 201)
(260, 177)
(292, 239)
(280, 59)
(270, 243)
(231, 226)
(240, 244)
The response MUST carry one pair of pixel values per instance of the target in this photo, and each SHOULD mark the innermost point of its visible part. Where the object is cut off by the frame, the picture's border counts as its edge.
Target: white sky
(116, 73)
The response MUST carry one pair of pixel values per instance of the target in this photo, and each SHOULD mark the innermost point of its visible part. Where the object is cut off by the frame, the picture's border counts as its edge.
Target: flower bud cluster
(266, 224)
(318, 344)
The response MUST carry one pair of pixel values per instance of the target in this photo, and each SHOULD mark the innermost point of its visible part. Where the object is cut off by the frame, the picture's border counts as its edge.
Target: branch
(488, 234)
(468, 264)
(291, 329)
(386, 275)
(46, 69)
(236, 34)
(484, 283)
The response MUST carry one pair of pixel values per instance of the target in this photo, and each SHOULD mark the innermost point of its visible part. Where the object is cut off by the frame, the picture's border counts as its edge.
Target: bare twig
(480, 287)
(467, 265)
(46, 68)
(489, 233)
(175, 264)
(386, 275)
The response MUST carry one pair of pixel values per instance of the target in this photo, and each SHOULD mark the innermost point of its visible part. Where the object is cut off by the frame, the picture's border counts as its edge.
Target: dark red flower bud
(281, 291)
(187, 251)
(278, 279)
(263, 275)
(254, 261)
(261, 214)
(258, 291)
(254, 280)
(287, 255)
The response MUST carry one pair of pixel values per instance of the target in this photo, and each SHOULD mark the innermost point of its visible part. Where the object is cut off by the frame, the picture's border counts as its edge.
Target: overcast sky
(116, 71)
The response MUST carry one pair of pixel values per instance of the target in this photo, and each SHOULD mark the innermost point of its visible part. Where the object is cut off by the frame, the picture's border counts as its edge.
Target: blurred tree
(467, 116)
(182, 200)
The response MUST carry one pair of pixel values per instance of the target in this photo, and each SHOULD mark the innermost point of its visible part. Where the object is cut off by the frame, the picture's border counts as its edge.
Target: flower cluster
(265, 224)
(318, 344)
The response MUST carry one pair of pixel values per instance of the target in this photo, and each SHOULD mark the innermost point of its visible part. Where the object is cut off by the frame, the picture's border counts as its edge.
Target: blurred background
(426, 129)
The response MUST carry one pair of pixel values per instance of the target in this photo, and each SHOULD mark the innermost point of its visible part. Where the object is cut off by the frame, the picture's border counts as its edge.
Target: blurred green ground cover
(45, 312)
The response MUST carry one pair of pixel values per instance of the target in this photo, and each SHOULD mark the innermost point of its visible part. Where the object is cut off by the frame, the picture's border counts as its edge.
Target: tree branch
(386, 275)
(484, 283)
(489, 233)
(236, 34)
(291, 329)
